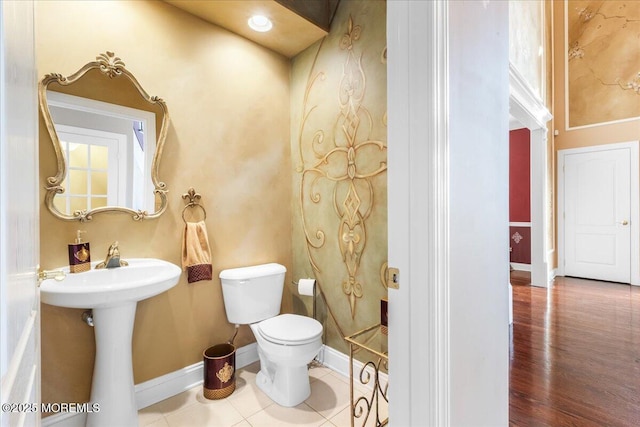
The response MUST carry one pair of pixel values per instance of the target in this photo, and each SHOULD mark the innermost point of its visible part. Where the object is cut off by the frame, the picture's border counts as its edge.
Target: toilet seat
(290, 329)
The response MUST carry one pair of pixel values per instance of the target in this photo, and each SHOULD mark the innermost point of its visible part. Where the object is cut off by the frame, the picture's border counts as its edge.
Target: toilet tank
(254, 293)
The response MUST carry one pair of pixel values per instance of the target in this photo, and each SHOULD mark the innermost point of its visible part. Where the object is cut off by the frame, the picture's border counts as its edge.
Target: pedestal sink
(113, 295)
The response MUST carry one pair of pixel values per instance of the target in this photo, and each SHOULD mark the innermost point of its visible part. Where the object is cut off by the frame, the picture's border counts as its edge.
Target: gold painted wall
(601, 133)
(527, 41)
(229, 138)
(338, 143)
(604, 133)
(603, 61)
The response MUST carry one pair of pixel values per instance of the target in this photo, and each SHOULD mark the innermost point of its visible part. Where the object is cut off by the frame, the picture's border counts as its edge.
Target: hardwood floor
(575, 355)
(520, 277)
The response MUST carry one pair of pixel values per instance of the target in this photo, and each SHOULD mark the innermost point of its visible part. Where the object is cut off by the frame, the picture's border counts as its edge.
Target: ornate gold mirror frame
(111, 67)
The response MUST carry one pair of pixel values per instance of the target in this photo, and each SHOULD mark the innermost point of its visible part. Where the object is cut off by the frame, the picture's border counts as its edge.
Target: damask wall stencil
(603, 61)
(520, 245)
(339, 141)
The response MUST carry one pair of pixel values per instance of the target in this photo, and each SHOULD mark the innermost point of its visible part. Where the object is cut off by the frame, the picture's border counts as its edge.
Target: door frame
(635, 203)
(527, 108)
(417, 85)
(424, 312)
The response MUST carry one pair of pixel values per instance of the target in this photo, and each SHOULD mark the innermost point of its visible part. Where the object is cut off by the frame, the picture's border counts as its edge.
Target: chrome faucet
(113, 258)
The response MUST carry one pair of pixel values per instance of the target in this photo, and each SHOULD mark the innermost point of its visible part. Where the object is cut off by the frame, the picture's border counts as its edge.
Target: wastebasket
(219, 371)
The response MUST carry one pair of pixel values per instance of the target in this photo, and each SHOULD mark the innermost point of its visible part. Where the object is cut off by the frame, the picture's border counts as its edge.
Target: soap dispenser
(79, 255)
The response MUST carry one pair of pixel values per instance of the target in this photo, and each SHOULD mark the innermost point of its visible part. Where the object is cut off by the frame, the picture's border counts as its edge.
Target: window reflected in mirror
(109, 151)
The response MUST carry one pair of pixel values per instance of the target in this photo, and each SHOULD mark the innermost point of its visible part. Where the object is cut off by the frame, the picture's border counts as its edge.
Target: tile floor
(248, 406)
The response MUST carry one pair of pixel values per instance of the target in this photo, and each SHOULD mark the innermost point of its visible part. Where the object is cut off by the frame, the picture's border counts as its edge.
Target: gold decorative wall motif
(225, 373)
(603, 61)
(346, 158)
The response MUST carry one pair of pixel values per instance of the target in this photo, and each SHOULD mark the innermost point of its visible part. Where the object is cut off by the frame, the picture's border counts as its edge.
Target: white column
(539, 262)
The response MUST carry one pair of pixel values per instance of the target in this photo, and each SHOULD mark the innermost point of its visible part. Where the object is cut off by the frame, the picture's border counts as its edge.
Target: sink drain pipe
(87, 317)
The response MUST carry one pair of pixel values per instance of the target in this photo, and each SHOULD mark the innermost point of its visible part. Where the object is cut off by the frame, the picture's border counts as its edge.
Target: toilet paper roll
(306, 286)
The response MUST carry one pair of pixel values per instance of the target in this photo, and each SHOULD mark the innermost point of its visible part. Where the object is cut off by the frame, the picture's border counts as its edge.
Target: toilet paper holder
(303, 290)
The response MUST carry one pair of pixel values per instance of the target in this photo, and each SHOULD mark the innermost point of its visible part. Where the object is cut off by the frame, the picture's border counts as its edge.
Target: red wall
(519, 176)
(520, 195)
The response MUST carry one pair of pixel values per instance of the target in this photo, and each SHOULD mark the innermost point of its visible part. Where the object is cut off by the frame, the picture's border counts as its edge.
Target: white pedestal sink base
(112, 387)
(112, 293)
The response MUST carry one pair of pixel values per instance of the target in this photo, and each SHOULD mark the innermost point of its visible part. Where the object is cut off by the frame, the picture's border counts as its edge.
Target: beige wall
(526, 22)
(527, 41)
(229, 138)
(586, 136)
(603, 133)
(338, 107)
(603, 62)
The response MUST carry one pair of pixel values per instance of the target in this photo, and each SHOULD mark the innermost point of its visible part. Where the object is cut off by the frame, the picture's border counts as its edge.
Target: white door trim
(635, 203)
(527, 107)
(418, 206)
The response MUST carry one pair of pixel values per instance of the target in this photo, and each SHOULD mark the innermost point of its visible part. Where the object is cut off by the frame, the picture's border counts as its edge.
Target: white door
(95, 160)
(597, 196)
(19, 217)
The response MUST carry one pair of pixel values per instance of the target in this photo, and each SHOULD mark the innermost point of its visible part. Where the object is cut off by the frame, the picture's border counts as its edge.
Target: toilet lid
(290, 329)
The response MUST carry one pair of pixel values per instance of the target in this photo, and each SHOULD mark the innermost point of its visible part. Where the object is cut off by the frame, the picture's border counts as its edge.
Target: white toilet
(286, 342)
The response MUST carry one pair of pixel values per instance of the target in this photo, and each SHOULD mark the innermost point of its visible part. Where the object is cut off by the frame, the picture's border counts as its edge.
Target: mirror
(108, 135)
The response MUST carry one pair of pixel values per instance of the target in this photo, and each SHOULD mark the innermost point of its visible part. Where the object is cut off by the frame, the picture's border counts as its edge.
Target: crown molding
(524, 103)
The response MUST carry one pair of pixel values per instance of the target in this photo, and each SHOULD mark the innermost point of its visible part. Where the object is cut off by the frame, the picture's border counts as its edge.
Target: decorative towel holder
(194, 201)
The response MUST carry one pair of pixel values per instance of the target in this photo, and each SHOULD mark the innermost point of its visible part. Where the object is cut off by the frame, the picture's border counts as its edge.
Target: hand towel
(196, 256)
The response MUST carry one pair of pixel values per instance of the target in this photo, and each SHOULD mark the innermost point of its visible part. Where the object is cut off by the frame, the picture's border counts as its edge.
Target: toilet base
(287, 386)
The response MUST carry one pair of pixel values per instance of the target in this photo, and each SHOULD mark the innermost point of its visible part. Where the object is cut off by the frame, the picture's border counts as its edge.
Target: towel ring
(193, 205)
(194, 199)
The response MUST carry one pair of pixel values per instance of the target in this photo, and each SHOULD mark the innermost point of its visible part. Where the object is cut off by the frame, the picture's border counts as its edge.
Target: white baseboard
(335, 360)
(173, 383)
(520, 266)
(339, 363)
(160, 388)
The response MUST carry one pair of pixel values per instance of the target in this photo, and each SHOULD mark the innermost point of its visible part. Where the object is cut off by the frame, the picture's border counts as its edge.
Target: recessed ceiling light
(260, 23)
